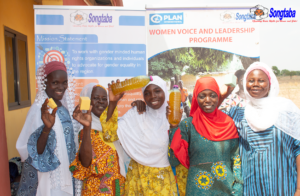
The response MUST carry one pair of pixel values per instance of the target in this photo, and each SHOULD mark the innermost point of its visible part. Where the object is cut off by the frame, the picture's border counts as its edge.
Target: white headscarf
(96, 124)
(265, 112)
(61, 177)
(145, 137)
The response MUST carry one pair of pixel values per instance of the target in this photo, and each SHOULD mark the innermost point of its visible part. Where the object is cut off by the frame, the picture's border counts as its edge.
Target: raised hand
(112, 97)
(140, 106)
(83, 118)
(168, 112)
(47, 118)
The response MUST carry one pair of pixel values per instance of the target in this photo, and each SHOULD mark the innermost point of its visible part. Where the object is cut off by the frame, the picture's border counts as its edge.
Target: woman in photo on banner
(269, 129)
(144, 137)
(237, 96)
(207, 144)
(46, 143)
(99, 162)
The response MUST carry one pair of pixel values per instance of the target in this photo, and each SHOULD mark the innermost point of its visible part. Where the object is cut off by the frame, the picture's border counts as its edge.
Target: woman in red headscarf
(207, 144)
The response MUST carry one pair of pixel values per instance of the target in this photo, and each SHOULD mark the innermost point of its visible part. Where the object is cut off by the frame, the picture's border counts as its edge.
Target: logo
(53, 55)
(282, 13)
(244, 17)
(156, 18)
(227, 16)
(100, 19)
(78, 17)
(166, 18)
(259, 12)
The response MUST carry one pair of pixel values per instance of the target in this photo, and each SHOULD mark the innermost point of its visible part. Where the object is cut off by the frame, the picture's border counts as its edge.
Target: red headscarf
(53, 66)
(215, 126)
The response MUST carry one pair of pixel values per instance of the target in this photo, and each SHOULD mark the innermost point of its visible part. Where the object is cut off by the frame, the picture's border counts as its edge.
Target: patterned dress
(103, 176)
(233, 100)
(181, 174)
(268, 158)
(47, 161)
(143, 180)
(215, 167)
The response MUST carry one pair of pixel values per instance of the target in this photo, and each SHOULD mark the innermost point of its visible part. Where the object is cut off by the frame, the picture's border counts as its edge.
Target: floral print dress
(103, 176)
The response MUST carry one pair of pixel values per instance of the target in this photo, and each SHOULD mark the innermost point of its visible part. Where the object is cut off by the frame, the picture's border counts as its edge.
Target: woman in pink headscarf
(269, 129)
(46, 143)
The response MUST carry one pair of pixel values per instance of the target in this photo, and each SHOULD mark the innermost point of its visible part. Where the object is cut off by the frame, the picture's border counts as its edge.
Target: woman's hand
(47, 118)
(224, 93)
(140, 106)
(112, 97)
(169, 112)
(83, 118)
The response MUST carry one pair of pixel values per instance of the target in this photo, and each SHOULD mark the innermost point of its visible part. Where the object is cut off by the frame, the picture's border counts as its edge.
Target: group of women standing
(251, 150)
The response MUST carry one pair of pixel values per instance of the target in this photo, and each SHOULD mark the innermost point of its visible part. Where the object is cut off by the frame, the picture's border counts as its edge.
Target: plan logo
(78, 17)
(166, 18)
(227, 16)
(156, 18)
(259, 12)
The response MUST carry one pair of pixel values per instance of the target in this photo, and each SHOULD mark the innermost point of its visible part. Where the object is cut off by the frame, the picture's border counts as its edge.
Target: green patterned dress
(214, 167)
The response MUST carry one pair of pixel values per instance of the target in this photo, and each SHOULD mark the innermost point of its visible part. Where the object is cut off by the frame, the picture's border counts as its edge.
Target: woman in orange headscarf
(207, 144)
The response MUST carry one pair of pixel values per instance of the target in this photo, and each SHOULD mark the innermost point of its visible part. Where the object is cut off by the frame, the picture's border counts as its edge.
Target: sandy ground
(290, 88)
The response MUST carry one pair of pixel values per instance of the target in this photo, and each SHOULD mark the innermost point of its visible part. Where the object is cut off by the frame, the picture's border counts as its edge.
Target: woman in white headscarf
(145, 139)
(99, 161)
(269, 128)
(46, 143)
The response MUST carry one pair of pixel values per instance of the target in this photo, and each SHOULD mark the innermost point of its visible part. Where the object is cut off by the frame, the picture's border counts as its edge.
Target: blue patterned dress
(47, 161)
(268, 158)
(215, 168)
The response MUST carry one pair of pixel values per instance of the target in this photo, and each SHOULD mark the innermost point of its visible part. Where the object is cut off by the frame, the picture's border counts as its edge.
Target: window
(17, 73)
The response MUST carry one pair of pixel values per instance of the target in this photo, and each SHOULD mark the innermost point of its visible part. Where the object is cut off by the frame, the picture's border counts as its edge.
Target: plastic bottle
(174, 103)
(131, 84)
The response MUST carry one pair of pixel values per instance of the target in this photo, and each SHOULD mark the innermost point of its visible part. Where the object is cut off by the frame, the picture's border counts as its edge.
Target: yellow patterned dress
(181, 178)
(149, 181)
(103, 176)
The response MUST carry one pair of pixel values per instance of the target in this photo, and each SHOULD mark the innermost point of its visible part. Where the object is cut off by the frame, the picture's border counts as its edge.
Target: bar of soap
(85, 103)
(51, 103)
(230, 80)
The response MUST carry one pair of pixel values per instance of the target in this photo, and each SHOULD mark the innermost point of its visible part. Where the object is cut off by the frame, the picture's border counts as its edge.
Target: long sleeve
(178, 145)
(47, 161)
(296, 148)
(110, 127)
(236, 167)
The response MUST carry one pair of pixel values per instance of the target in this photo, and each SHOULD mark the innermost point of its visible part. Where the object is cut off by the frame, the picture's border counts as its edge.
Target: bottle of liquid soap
(131, 84)
(174, 103)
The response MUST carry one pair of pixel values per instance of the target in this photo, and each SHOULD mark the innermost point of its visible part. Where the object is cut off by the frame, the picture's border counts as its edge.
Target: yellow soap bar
(51, 103)
(85, 103)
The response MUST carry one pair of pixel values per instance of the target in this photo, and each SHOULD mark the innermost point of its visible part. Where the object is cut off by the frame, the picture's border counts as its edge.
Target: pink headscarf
(53, 66)
(258, 66)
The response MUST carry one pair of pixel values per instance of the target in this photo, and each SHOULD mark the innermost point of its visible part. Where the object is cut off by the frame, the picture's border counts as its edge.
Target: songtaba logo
(227, 16)
(166, 18)
(78, 17)
(100, 19)
(259, 12)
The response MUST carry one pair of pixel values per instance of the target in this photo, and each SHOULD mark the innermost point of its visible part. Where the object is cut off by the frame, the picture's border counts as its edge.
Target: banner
(99, 45)
(186, 44)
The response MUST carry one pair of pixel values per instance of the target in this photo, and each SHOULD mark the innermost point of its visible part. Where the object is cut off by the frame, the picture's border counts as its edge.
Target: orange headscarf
(215, 126)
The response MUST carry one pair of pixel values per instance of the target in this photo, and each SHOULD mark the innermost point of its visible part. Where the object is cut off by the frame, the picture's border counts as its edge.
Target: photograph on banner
(184, 66)
(185, 45)
(89, 42)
